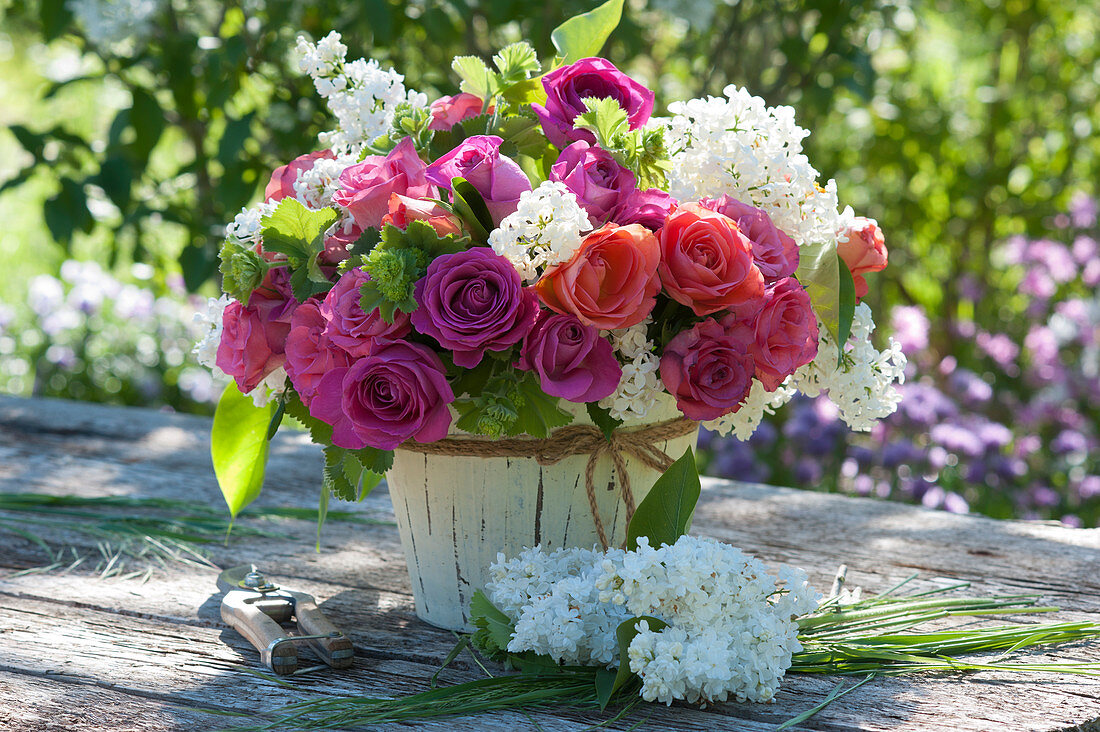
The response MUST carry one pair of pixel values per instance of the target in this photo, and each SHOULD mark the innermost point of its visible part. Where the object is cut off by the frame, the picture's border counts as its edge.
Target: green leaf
(276, 419)
(494, 628)
(362, 247)
(338, 476)
(322, 511)
(471, 207)
(665, 513)
(584, 35)
(605, 118)
(374, 460)
(625, 633)
(294, 230)
(516, 61)
(846, 309)
(819, 272)
(319, 432)
(605, 686)
(476, 77)
(238, 447)
(602, 418)
(539, 414)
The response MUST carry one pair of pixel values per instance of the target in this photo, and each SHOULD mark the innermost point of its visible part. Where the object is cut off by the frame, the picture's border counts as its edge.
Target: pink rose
(351, 329)
(498, 178)
(449, 111)
(649, 208)
(784, 333)
(251, 346)
(775, 253)
(397, 393)
(365, 187)
(404, 209)
(339, 242)
(610, 282)
(708, 369)
(282, 180)
(309, 352)
(571, 359)
(863, 249)
(594, 177)
(706, 262)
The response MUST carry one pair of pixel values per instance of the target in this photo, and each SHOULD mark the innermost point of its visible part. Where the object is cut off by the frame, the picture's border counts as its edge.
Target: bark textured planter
(456, 513)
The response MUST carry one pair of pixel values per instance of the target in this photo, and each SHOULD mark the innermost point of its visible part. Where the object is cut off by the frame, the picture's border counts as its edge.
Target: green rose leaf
(665, 513)
(584, 35)
(602, 418)
(847, 305)
(238, 447)
(829, 283)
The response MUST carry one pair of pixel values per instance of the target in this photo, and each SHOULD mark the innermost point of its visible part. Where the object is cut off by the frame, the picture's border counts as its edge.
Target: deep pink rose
(449, 111)
(403, 209)
(590, 77)
(365, 187)
(282, 180)
(706, 262)
(338, 243)
(398, 392)
(498, 178)
(595, 178)
(273, 298)
(351, 329)
(649, 208)
(775, 253)
(708, 369)
(473, 301)
(309, 352)
(251, 346)
(863, 251)
(571, 359)
(784, 333)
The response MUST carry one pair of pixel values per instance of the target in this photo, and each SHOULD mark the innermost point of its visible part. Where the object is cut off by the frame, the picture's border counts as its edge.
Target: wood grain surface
(81, 653)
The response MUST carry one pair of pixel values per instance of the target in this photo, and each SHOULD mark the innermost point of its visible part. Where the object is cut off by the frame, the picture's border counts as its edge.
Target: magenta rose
(498, 178)
(449, 111)
(775, 253)
(282, 180)
(251, 346)
(351, 329)
(567, 87)
(309, 352)
(649, 208)
(784, 333)
(397, 393)
(473, 301)
(365, 187)
(595, 178)
(708, 369)
(571, 359)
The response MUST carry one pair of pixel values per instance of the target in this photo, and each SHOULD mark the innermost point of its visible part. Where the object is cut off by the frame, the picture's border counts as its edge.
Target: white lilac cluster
(759, 402)
(360, 94)
(113, 23)
(640, 387)
(315, 187)
(545, 230)
(731, 625)
(864, 387)
(739, 146)
(208, 322)
(246, 226)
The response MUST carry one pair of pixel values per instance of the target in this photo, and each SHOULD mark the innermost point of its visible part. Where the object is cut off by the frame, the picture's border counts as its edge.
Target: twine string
(638, 442)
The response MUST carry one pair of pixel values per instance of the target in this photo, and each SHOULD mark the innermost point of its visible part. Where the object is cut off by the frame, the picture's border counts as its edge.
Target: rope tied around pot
(581, 439)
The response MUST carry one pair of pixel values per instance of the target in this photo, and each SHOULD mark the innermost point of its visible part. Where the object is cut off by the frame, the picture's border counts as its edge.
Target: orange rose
(403, 209)
(706, 262)
(863, 249)
(610, 282)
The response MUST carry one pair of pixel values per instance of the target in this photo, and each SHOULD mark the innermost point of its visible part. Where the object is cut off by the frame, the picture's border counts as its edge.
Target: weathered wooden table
(82, 653)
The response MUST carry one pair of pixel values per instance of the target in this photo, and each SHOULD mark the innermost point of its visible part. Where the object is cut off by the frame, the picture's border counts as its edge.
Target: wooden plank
(162, 643)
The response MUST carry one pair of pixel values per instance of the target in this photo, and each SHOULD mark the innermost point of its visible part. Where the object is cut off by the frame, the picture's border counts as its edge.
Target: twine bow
(638, 442)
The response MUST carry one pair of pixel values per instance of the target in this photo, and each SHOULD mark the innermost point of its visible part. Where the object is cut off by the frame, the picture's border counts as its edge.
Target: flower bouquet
(533, 269)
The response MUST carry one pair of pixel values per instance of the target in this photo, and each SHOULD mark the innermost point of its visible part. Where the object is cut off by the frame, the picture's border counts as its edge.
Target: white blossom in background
(247, 225)
(543, 231)
(640, 387)
(759, 402)
(360, 94)
(737, 145)
(732, 626)
(209, 323)
(864, 387)
(111, 23)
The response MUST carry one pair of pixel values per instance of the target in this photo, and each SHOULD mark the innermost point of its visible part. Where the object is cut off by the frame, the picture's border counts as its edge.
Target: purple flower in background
(474, 301)
(1083, 210)
(957, 438)
(1038, 283)
(567, 87)
(901, 451)
(1089, 487)
(1044, 496)
(924, 404)
(1072, 521)
(1068, 442)
(808, 471)
(910, 326)
(1084, 249)
(955, 503)
(999, 347)
(970, 387)
(595, 178)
